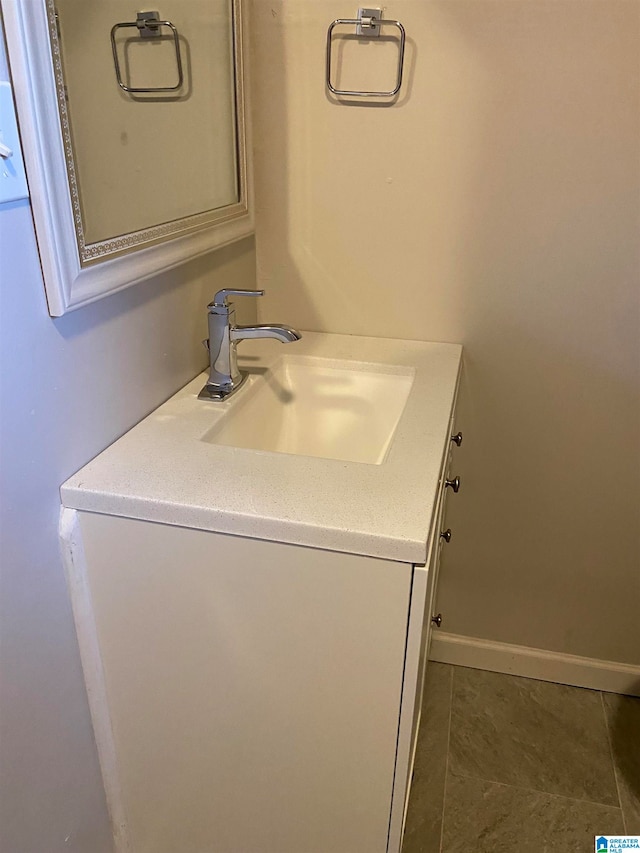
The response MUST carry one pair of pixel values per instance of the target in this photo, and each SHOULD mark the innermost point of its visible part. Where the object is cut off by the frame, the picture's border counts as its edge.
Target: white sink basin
(323, 407)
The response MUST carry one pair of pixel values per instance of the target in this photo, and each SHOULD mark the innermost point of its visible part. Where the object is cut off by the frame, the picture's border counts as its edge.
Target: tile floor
(512, 765)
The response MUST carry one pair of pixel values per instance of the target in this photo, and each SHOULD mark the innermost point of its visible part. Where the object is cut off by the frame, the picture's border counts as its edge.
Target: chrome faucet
(224, 335)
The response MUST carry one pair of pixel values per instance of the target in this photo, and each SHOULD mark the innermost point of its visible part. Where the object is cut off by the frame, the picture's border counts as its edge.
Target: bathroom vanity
(253, 584)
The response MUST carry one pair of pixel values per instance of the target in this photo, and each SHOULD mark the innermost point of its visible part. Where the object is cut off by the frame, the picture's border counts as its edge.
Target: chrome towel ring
(368, 25)
(149, 27)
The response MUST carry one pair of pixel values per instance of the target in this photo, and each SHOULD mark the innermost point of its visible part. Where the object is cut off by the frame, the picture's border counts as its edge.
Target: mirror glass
(163, 157)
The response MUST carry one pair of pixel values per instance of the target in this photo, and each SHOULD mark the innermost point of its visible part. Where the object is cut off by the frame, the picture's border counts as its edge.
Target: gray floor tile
(531, 734)
(487, 817)
(424, 815)
(623, 718)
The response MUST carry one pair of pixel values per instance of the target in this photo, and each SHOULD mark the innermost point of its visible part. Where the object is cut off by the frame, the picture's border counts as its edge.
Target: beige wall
(496, 204)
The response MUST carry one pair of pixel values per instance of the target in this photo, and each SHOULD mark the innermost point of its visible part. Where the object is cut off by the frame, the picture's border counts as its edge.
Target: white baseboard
(535, 663)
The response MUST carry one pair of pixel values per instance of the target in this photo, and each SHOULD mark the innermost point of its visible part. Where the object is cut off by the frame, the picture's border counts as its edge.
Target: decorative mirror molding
(77, 272)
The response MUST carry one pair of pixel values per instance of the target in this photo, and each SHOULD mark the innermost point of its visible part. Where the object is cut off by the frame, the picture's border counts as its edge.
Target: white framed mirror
(136, 143)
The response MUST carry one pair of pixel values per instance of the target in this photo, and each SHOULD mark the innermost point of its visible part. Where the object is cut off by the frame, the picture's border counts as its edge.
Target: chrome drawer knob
(437, 620)
(457, 438)
(453, 484)
(446, 535)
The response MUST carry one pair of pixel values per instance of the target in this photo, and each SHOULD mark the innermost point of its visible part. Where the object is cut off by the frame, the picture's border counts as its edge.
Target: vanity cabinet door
(245, 694)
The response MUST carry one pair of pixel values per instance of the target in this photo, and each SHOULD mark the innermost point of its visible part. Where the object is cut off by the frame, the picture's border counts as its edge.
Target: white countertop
(162, 470)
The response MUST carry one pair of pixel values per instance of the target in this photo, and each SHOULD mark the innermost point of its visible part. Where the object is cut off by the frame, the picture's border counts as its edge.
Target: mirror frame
(69, 281)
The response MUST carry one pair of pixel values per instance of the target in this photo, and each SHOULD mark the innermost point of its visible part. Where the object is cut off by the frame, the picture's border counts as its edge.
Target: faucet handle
(220, 299)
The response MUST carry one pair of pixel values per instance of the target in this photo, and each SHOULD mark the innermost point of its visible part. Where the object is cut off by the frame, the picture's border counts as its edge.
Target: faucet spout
(284, 334)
